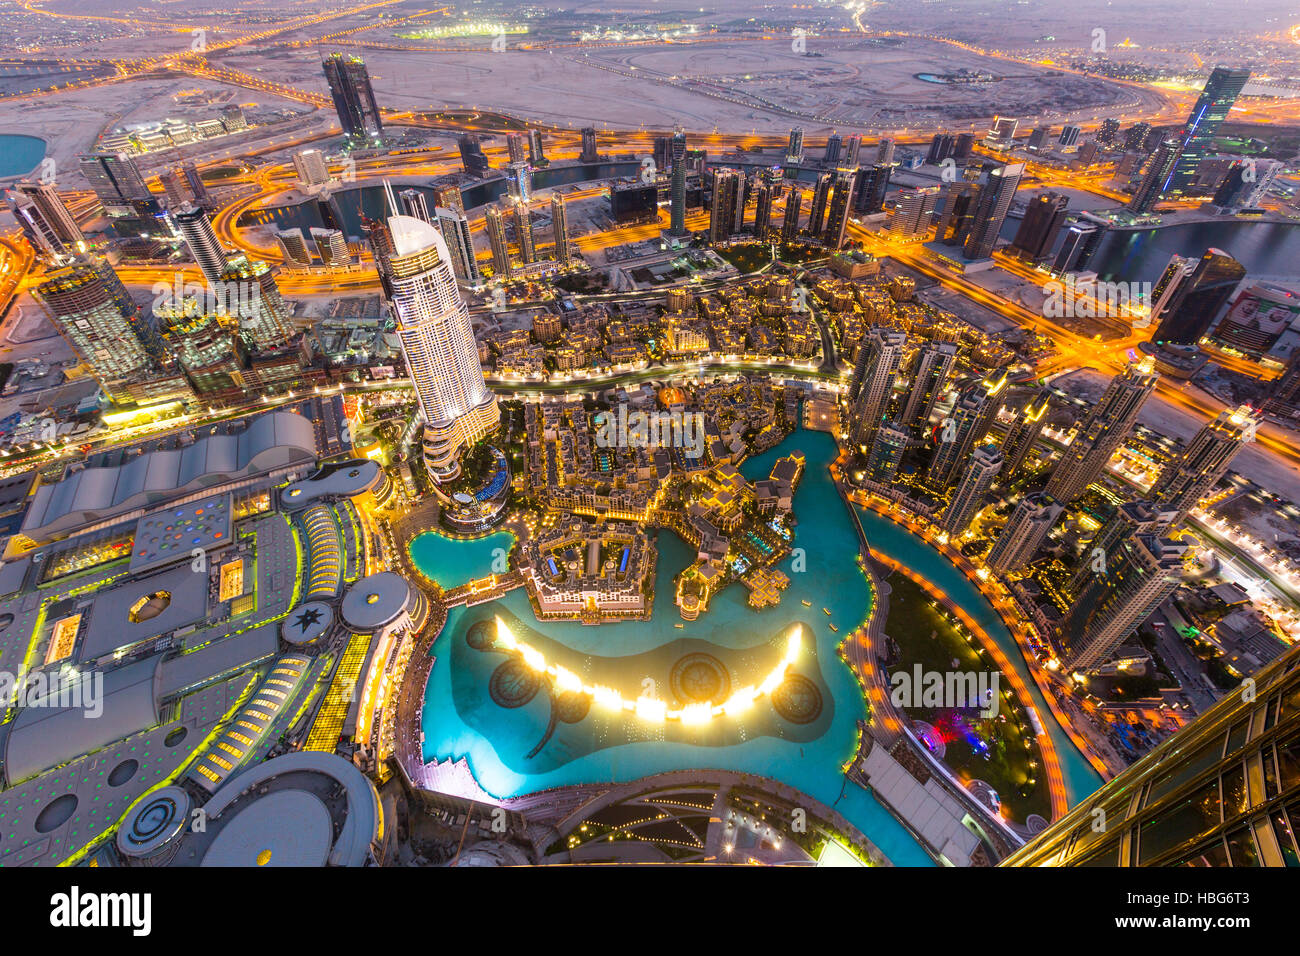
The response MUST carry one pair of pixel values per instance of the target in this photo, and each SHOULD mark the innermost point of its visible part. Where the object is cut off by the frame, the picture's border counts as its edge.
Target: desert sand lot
(747, 85)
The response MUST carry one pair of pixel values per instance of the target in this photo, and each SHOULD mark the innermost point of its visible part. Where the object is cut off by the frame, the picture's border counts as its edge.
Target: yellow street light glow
(650, 708)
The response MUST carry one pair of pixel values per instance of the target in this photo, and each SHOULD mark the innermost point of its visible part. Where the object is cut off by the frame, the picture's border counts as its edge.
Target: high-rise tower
(1199, 299)
(1102, 432)
(108, 334)
(460, 244)
(879, 357)
(560, 229)
(1187, 479)
(496, 230)
(1023, 534)
(1197, 135)
(1140, 572)
(933, 366)
(354, 98)
(996, 195)
(982, 467)
(677, 188)
(441, 357)
(200, 238)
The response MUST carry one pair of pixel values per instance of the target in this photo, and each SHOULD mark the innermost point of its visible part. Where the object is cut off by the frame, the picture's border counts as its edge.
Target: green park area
(999, 750)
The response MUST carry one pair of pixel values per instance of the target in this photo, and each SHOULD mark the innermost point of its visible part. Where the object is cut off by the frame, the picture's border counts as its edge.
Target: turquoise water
(812, 766)
(19, 154)
(898, 543)
(450, 561)
(461, 719)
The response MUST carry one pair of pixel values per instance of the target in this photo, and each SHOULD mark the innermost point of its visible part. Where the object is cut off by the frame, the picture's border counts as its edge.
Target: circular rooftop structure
(346, 480)
(298, 809)
(154, 823)
(306, 623)
(283, 828)
(376, 601)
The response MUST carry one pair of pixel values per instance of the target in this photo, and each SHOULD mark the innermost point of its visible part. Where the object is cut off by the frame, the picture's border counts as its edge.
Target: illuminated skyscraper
(913, 210)
(1197, 135)
(560, 229)
(519, 181)
(841, 204)
(957, 435)
(981, 468)
(794, 150)
(450, 197)
(940, 148)
(933, 365)
(1130, 518)
(995, 198)
(1219, 792)
(790, 217)
(1073, 253)
(537, 148)
(460, 244)
(515, 147)
(873, 185)
(311, 167)
(1187, 479)
(44, 220)
(354, 98)
(886, 452)
(1022, 434)
(1140, 572)
(832, 155)
(109, 335)
(496, 230)
(1154, 180)
(332, 247)
(414, 204)
(728, 192)
(115, 179)
(677, 189)
(1023, 534)
(852, 149)
(589, 152)
(877, 364)
(524, 235)
(953, 209)
(763, 210)
(1168, 286)
(1037, 233)
(441, 357)
(294, 248)
(1199, 299)
(1102, 432)
(46, 198)
(472, 158)
(821, 197)
(200, 238)
(885, 152)
(254, 299)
